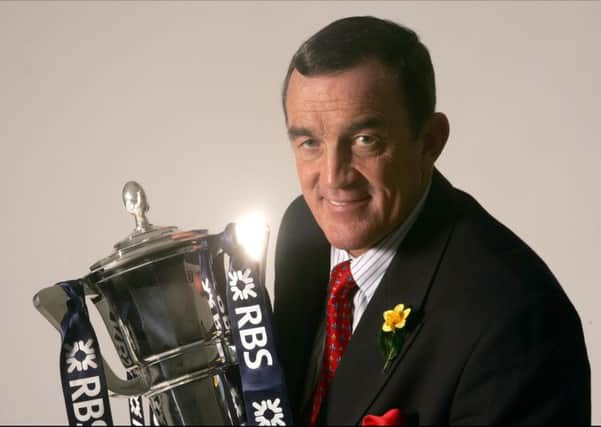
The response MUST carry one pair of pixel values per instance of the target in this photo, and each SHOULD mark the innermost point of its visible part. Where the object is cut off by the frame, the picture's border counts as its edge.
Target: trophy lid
(146, 239)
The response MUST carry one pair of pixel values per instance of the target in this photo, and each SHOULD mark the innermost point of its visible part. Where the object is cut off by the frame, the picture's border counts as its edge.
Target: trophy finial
(134, 199)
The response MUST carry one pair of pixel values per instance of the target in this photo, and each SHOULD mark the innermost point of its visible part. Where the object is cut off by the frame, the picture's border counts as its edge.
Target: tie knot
(341, 281)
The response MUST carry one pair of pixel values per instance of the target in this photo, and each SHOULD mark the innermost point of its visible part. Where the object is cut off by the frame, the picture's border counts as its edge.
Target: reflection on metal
(134, 199)
(160, 295)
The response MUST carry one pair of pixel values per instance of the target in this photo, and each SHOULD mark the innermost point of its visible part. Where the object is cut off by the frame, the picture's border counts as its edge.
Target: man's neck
(409, 218)
(402, 228)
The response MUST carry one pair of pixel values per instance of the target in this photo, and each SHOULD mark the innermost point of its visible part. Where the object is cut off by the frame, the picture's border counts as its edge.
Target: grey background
(184, 97)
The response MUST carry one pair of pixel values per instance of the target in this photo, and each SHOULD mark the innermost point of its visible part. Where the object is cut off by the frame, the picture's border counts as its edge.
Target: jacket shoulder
(513, 327)
(494, 256)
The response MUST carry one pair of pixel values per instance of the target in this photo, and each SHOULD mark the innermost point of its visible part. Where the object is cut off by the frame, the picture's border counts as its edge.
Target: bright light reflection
(251, 234)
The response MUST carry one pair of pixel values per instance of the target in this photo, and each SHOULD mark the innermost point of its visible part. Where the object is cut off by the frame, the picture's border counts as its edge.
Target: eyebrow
(374, 121)
(369, 122)
(296, 132)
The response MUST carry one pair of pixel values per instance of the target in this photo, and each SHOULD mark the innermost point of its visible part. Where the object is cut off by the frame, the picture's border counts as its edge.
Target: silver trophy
(161, 297)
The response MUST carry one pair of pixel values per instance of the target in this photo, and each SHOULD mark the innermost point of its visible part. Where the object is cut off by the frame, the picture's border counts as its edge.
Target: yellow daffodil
(392, 334)
(395, 318)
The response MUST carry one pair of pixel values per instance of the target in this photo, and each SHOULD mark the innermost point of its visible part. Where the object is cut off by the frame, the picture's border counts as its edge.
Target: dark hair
(349, 41)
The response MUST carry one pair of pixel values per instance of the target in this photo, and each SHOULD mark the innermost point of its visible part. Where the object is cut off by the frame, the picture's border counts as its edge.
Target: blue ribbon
(136, 408)
(263, 388)
(82, 373)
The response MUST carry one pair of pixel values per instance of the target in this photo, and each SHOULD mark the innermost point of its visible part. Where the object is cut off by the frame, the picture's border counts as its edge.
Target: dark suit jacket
(493, 338)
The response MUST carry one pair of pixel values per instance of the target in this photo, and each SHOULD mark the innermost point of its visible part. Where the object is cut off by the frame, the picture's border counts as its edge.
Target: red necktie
(338, 329)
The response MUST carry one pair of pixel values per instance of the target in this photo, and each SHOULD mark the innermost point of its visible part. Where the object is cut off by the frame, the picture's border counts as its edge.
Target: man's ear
(434, 136)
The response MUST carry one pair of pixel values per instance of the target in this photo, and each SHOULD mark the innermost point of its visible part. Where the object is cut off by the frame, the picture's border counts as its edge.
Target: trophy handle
(51, 302)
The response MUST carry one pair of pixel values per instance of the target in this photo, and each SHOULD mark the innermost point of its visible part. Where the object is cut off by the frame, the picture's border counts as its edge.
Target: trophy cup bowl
(161, 297)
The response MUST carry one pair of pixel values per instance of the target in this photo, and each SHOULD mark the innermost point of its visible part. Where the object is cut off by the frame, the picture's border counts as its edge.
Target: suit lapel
(359, 377)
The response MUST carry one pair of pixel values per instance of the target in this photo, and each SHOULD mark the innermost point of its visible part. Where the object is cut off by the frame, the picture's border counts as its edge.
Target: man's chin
(353, 242)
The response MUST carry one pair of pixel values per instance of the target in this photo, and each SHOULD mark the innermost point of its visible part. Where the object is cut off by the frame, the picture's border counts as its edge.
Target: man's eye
(366, 140)
(308, 149)
(308, 143)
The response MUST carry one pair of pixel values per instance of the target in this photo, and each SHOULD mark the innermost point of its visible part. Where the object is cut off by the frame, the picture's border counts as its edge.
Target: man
(490, 337)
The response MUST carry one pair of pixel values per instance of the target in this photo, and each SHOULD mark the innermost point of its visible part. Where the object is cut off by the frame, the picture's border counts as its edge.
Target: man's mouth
(348, 203)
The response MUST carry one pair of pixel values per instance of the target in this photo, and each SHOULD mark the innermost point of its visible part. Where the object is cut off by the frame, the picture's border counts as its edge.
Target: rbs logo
(249, 319)
(88, 406)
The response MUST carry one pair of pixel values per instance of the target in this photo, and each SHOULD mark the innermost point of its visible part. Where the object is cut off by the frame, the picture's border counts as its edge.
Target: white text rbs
(88, 407)
(252, 336)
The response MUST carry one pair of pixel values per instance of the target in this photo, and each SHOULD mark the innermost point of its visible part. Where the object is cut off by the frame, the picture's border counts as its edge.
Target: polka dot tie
(338, 329)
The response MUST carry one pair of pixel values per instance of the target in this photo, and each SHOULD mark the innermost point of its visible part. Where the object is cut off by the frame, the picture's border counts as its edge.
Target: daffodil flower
(392, 334)
(395, 318)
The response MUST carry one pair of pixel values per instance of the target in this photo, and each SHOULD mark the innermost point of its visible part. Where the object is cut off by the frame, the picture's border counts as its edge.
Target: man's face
(361, 171)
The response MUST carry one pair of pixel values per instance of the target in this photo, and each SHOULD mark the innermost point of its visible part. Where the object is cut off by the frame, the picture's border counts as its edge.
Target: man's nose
(337, 168)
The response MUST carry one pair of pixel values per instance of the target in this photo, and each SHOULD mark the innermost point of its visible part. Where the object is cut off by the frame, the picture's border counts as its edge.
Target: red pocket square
(394, 417)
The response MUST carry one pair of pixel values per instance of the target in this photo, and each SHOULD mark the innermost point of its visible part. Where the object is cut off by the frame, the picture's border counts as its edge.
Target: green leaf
(390, 357)
(391, 344)
(394, 352)
(386, 341)
(399, 338)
